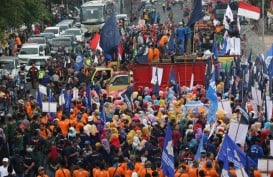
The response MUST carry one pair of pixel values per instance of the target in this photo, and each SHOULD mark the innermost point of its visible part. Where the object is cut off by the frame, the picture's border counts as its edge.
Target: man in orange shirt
(64, 125)
(116, 169)
(193, 171)
(232, 171)
(101, 172)
(62, 171)
(210, 171)
(146, 170)
(181, 172)
(80, 172)
(153, 53)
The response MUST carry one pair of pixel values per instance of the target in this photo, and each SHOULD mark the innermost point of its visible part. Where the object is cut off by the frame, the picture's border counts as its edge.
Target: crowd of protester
(79, 140)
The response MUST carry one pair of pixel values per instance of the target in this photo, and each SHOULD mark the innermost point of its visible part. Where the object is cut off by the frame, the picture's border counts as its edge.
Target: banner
(237, 132)
(157, 74)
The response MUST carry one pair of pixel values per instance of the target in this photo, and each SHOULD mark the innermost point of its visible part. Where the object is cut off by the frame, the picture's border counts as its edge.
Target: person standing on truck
(180, 39)
(162, 44)
(153, 53)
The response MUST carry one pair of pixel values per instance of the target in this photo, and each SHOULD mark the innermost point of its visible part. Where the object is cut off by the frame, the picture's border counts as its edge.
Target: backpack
(18, 164)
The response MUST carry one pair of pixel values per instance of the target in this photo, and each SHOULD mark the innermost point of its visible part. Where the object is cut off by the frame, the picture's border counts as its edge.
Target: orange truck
(141, 75)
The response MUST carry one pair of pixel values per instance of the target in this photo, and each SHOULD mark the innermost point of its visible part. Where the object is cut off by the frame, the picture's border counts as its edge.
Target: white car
(56, 30)
(77, 32)
(30, 50)
(8, 66)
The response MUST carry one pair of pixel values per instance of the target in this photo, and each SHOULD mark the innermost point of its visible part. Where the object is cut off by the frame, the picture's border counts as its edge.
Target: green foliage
(14, 13)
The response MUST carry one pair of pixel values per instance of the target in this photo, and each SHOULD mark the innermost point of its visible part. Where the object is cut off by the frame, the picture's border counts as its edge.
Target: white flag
(228, 15)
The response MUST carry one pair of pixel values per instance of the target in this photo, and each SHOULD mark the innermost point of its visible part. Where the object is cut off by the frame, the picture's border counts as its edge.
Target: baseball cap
(5, 159)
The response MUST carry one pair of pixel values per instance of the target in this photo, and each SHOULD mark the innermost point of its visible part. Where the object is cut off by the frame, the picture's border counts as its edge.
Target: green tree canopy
(14, 13)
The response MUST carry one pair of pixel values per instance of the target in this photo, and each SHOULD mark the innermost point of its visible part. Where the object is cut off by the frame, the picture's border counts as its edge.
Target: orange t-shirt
(128, 173)
(193, 172)
(233, 173)
(80, 173)
(62, 172)
(119, 171)
(144, 171)
(138, 166)
(44, 133)
(153, 54)
(163, 41)
(211, 173)
(102, 173)
(64, 126)
(179, 174)
(59, 114)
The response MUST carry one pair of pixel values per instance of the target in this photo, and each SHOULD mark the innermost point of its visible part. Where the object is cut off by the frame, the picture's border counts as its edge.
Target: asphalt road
(178, 13)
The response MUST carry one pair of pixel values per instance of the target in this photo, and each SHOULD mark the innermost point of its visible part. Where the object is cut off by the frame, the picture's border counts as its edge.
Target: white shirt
(4, 171)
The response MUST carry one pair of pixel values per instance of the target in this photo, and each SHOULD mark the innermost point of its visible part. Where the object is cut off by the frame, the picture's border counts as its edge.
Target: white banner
(157, 75)
(225, 105)
(238, 132)
(49, 107)
(256, 95)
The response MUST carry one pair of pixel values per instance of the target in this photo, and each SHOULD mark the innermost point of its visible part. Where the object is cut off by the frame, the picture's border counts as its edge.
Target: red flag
(248, 10)
(120, 51)
(95, 41)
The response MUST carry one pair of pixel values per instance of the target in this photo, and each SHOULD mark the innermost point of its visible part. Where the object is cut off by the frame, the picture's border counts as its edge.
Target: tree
(14, 13)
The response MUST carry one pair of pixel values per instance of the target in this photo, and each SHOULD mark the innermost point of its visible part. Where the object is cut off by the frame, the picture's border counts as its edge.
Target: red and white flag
(248, 10)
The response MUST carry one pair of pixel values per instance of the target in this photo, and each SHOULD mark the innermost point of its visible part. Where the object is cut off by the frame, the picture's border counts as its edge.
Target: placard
(43, 89)
(157, 75)
(238, 132)
(225, 105)
(265, 165)
(271, 148)
(256, 95)
(49, 107)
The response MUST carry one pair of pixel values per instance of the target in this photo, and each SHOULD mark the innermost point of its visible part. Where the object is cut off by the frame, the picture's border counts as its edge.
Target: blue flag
(171, 47)
(39, 98)
(211, 95)
(68, 97)
(110, 36)
(215, 50)
(167, 159)
(127, 96)
(88, 97)
(199, 149)
(231, 152)
(79, 61)
(270, 69)
(173, 82)
(102, 114)
(196, 12)
(50, 99)
(269, 55)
